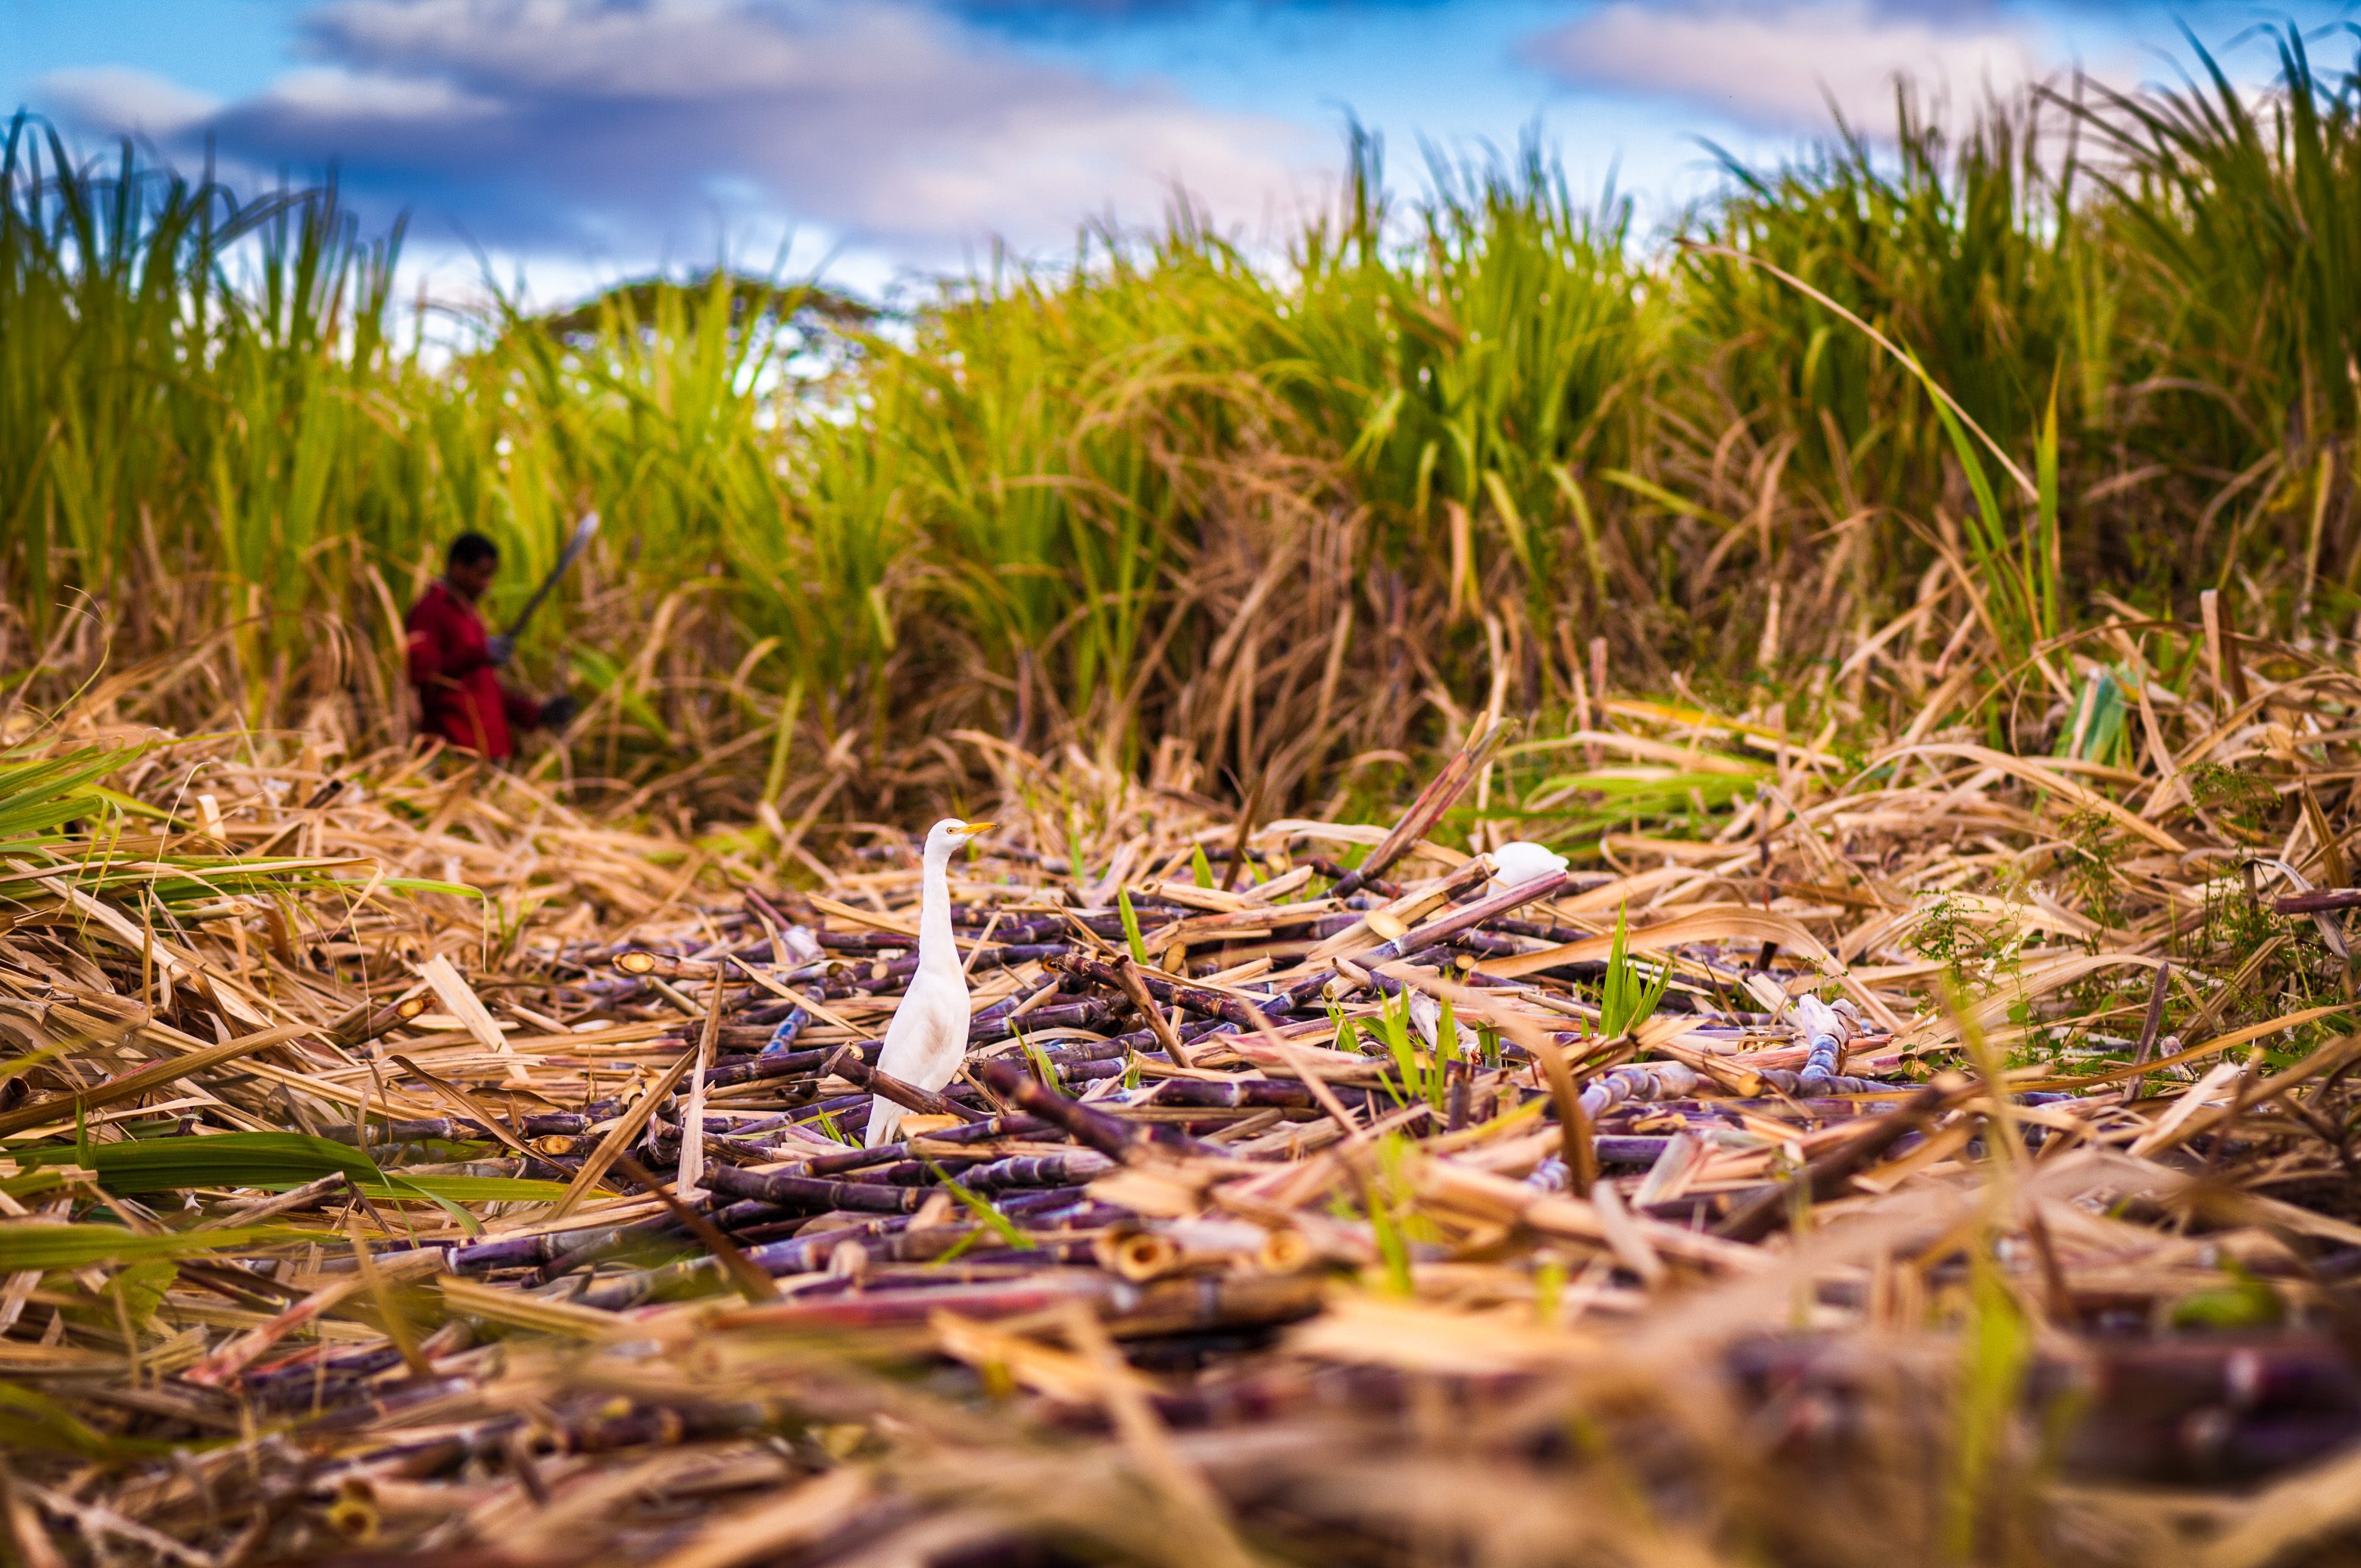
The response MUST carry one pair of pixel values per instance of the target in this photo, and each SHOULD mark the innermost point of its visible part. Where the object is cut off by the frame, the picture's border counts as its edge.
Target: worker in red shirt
(452, 661)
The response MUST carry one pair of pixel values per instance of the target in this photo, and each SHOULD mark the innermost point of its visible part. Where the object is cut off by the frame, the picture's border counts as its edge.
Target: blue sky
(585, 139)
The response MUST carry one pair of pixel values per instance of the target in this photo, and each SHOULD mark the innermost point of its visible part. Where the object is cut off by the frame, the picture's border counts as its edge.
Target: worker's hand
(503, 649)
(557, 712)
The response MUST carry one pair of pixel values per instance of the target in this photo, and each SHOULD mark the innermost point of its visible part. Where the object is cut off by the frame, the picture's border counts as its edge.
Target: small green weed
(1628, 993)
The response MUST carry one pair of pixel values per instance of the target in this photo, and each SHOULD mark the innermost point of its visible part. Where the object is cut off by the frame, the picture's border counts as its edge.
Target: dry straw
(1234, 1253)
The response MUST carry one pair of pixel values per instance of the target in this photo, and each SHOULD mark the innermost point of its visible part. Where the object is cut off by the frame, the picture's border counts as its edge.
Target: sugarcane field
(1483, 886)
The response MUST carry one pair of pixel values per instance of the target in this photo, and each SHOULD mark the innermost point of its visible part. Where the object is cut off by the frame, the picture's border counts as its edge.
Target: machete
(565, 558)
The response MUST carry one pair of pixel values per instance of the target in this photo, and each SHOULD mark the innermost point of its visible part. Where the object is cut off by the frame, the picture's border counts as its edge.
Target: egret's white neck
(937, 949)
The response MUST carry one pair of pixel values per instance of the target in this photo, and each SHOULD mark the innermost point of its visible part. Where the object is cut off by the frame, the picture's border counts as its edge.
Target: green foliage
(142, 1286)
(33, 1422)
(1580, 805)
(1629, 996)
(1392, 1224)
(1393, 1251)
(987, 1217)
(2239, 799)
(1995, 1353)
(2242, 1303)
(1964, 269)
(1479, 372)
(2239, 214)
(2098, 728)
(277, 1162)
(155, 398)
(2237, 924)
(132, 1292)
(1131, 936)
(38, 793)
(45, 1247)
(450, 1190)
(1977, 953)
(1174, 492)
(1045, 1072)
(1949, 250)
(1419, 1075)
(2097, 847)
(272, 1160)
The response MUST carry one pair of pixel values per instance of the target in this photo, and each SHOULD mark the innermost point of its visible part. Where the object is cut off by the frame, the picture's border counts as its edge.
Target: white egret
(928, 1038)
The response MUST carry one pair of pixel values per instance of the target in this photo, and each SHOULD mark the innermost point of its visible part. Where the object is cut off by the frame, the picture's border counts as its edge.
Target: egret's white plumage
(928, 1037)
(1524, 860)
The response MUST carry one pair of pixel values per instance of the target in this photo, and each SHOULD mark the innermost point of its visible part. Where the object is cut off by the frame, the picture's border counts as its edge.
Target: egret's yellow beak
(972, 828)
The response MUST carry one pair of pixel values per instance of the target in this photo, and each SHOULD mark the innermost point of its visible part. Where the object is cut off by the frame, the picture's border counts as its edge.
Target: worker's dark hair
(470, 548)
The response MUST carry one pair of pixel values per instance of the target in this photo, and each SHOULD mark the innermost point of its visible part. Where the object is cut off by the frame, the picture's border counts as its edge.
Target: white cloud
(1777, 66)
(125, 99)
(334, 96)
(534, 122)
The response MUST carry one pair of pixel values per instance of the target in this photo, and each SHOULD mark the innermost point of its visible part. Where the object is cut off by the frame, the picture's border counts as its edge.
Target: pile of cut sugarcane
(1936, 1158)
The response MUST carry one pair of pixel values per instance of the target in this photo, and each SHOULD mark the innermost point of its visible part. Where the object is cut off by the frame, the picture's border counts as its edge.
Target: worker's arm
(524, 712)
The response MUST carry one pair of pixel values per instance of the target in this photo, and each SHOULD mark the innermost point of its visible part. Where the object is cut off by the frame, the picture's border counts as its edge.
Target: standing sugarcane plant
(2021, 565)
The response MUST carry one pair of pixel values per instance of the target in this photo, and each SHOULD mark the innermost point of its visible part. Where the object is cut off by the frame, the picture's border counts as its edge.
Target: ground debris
(1931, 1140)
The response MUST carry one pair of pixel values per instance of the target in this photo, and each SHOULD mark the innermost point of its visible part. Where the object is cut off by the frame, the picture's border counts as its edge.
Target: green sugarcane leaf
(1394, 1018)
(1394, 1248)
(397, 1187)
(2043, 571)
(984, 1212)
(36, 795)
(142, 1286)
(1614, 992)
(1042, 1068)
(472, 1189)
(131, 806)
(29, 1060)
(2245, 1301)
(1131, 927)
(31, 1184)
(31, 1421)
(1384, 1049)
(422, 884)
(1630, 994)
(264, 1161)
(37, 1246)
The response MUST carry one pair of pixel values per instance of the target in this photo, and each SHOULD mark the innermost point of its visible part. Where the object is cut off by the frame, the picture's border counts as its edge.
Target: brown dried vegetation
(1977, 1188)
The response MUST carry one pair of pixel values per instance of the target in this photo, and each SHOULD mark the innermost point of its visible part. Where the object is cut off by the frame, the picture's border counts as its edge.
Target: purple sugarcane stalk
(1037, 1170)
(1196, 998)
(1111, 1136)
(812, 1192)
(848, 1064)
